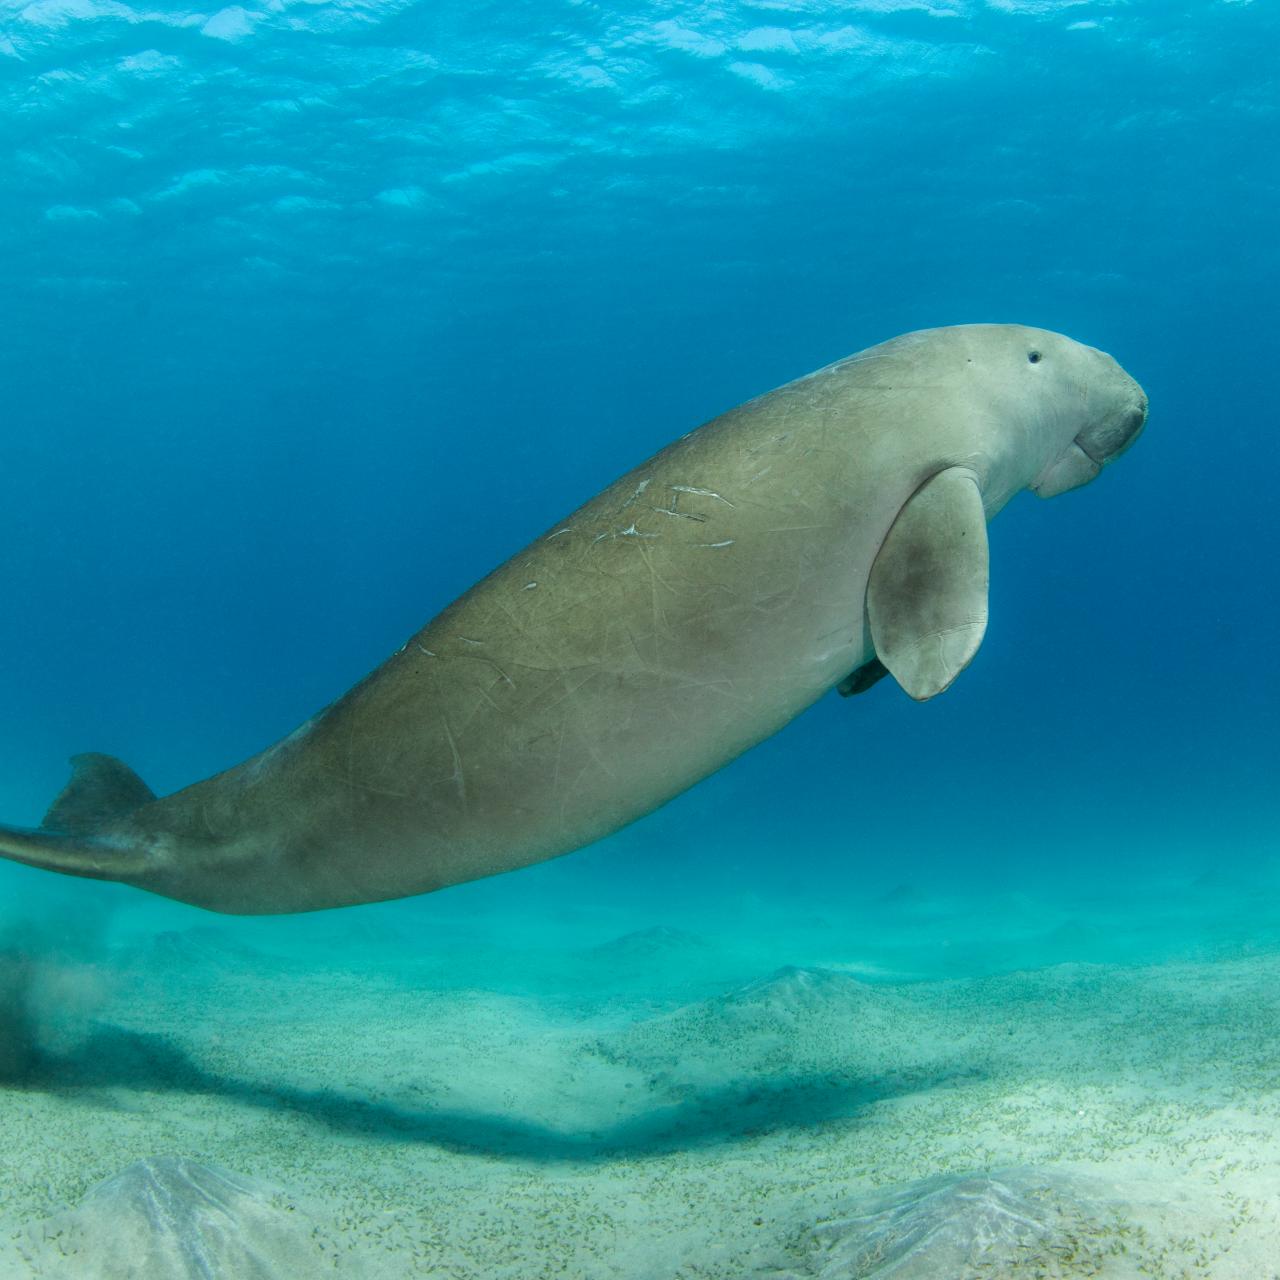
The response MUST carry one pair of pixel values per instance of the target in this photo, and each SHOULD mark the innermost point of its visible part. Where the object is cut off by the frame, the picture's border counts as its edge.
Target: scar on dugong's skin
(821, 535)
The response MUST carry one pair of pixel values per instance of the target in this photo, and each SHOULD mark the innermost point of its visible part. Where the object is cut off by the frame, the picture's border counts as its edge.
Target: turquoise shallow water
(1063, 1079)
(315, 313)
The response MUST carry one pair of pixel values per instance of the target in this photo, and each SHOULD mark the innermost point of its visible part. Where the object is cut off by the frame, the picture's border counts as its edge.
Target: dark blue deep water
(313, 313)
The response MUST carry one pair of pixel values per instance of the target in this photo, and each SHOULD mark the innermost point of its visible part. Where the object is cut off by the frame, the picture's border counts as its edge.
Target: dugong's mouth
(1095, 446)
(1072, 468)
(1083, 445)
(1105, 441)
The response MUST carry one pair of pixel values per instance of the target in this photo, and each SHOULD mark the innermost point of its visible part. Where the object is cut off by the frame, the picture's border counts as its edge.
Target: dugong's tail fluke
(100, 789)
(73, 836)
(99, 859)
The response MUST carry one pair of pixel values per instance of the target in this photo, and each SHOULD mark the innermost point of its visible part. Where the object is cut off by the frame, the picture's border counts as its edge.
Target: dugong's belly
(680, 617)
(675, 621)
(536, 716)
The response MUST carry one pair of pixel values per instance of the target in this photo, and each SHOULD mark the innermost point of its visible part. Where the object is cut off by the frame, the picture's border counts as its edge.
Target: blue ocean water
(313, 313)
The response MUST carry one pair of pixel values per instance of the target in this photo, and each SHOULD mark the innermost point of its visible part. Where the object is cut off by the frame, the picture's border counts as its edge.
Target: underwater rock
(793, 1002)
(967, 1227)
(794, 992)
(820, 1008)
(796, 1020)
(169, 1218)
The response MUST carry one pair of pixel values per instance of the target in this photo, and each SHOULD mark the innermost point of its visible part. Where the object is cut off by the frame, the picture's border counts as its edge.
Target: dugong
(818, 536)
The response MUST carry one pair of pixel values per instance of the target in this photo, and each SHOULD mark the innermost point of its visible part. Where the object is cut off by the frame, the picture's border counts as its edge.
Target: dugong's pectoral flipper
(927, 593)
(73, 838)
(862, 678)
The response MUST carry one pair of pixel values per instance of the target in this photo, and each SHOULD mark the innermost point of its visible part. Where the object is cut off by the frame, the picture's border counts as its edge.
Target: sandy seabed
(913, 1085)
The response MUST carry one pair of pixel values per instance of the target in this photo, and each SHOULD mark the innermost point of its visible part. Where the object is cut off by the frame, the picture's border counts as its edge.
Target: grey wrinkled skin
(680, 617)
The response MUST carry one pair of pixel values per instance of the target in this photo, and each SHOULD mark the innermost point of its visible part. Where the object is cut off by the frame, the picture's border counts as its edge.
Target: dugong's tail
(74, 836)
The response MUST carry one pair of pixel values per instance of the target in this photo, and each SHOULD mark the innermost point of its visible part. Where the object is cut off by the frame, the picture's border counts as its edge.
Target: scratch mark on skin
(422, 649)
(659, 615)
(528, 586)
(489, 662)
(348, 757)
(468, 640)
(565, 794)
(702, 493)
(587, 743)
(639, 652)
(486, 696)
(555, 774)
(722, 688)
(355, 784)
(567, 692)
(629, 532)
(728, 542)
(684, 515)
(674, 508)
(458, 779)
(640, 488)
(558, 533)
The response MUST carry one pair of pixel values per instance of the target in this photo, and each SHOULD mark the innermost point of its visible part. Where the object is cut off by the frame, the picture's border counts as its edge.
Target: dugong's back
(680, 617)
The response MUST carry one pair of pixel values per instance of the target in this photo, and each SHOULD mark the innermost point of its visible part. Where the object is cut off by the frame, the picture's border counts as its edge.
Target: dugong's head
(1088, 410)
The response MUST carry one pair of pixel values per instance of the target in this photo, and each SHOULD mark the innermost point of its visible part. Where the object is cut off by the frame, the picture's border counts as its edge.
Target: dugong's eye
(1034, 357)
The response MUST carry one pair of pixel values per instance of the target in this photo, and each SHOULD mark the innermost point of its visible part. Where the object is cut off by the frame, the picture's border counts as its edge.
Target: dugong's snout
(1107, 433)
(1107, 438)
